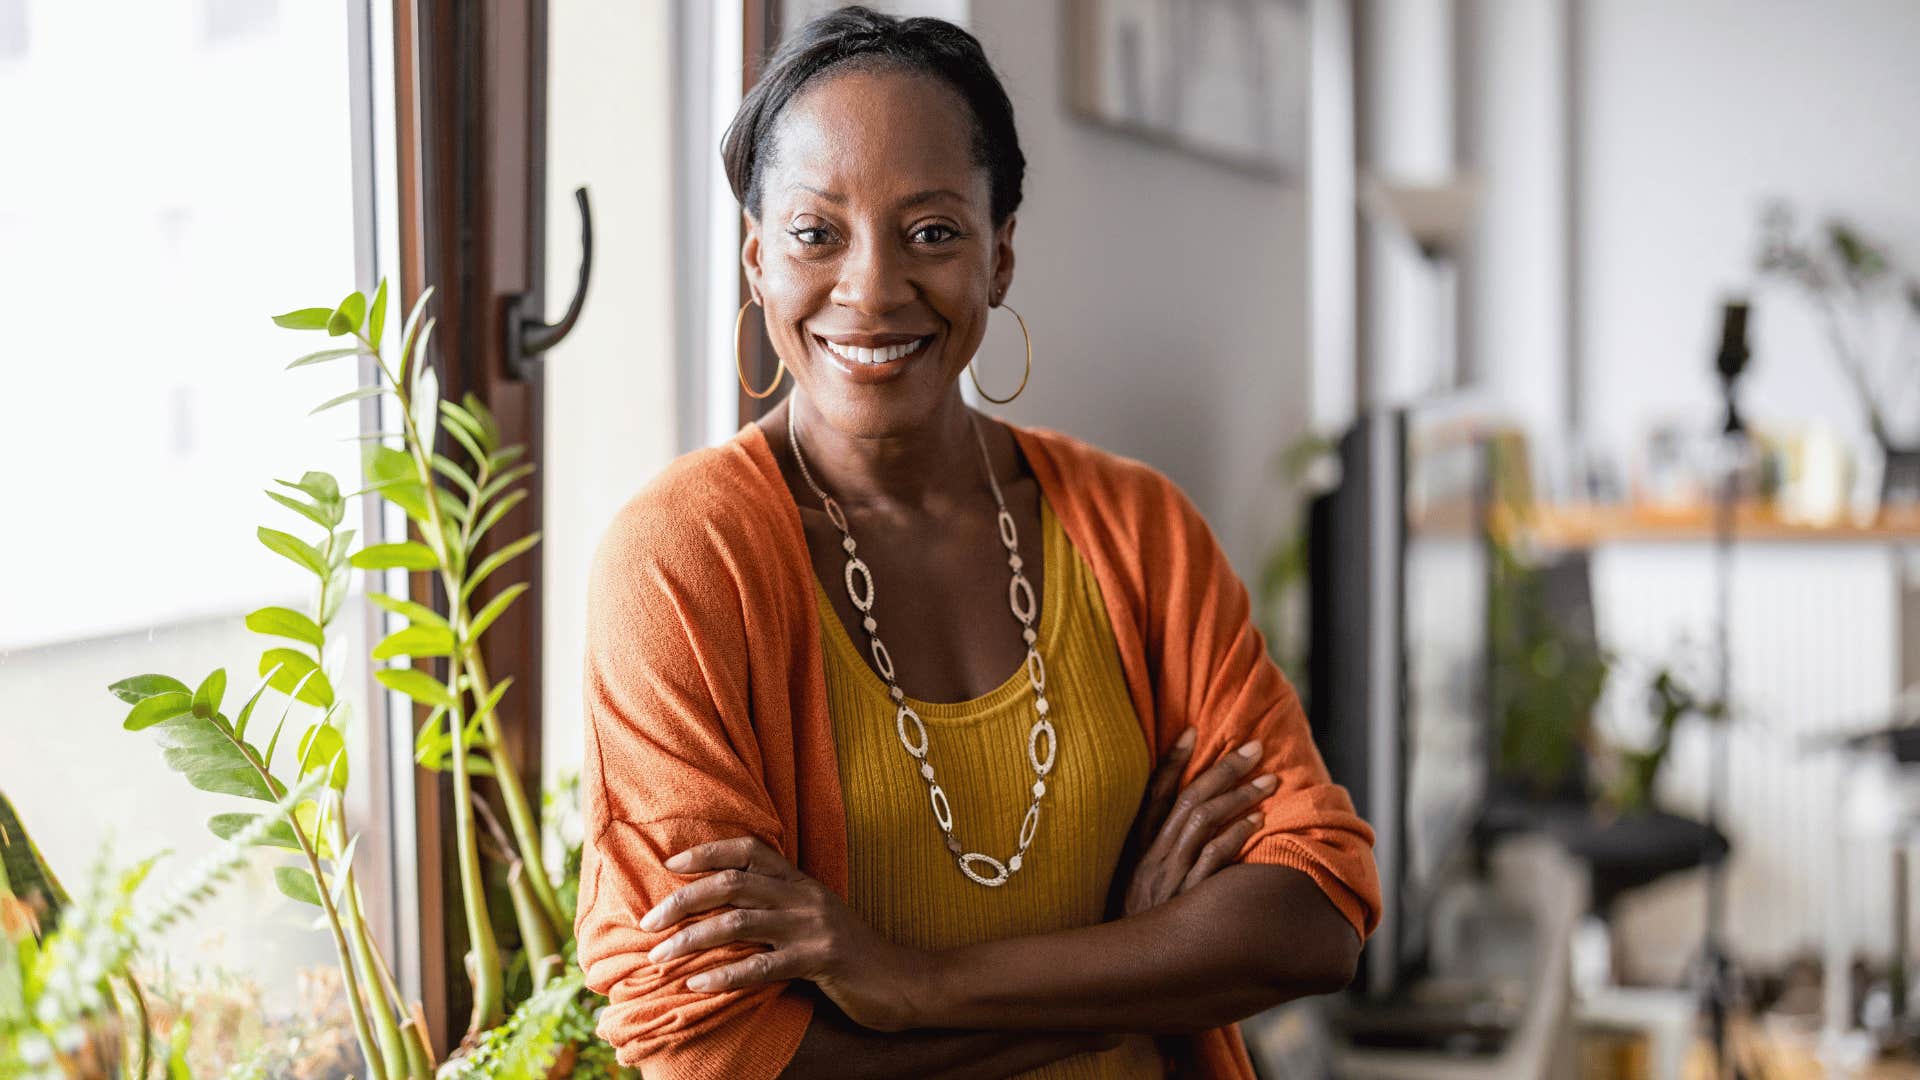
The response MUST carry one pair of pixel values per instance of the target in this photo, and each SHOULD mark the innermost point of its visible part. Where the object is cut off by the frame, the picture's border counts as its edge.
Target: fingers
(767, 927)
(740, 888)
(736, 853)
(1164, 785)
(1206, 820)
(763, 967)
(1221, 849)
(1220, 777)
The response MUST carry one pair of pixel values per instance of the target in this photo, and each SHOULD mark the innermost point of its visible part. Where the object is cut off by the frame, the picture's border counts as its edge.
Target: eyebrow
(915, 199)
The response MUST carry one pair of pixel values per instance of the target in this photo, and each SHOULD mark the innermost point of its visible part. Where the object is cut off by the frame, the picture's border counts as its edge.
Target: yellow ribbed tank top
(902, 879)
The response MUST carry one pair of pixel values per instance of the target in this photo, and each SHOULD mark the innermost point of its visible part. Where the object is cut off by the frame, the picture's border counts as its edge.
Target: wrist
(930, 986)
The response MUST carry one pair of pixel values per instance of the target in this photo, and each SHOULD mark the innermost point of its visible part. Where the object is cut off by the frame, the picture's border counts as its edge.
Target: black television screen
(1398, 658)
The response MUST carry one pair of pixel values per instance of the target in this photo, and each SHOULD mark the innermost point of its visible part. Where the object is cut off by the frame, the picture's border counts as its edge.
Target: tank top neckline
(1014, 685)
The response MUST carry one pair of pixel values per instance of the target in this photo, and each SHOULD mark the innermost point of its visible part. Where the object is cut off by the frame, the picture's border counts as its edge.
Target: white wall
(1516, 303)
(1167, 296)
(1696, 114)
(610, 387)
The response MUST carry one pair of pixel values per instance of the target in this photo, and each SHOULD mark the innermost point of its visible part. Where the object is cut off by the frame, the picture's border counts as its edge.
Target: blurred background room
(1549, 369)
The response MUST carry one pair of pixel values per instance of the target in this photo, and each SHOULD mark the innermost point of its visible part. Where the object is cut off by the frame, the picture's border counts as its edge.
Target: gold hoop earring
(740, 367)
(1023, 375)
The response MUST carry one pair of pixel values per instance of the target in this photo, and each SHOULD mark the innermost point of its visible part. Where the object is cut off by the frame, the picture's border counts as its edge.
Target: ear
(750, 254)
(1002, 279)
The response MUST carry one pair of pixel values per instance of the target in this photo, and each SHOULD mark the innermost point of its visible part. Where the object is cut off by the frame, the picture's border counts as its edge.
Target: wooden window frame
(470, 83)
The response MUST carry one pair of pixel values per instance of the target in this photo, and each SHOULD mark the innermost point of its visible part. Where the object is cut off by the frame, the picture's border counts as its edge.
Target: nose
(873, 279)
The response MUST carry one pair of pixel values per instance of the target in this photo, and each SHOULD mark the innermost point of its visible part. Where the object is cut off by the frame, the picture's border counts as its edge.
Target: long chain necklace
(907, 723)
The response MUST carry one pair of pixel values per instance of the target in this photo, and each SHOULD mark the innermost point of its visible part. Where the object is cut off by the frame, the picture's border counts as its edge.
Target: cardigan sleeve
(1213, 671)
(671, 761)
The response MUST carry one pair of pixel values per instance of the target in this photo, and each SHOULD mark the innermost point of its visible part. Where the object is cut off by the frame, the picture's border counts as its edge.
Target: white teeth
(884, 355)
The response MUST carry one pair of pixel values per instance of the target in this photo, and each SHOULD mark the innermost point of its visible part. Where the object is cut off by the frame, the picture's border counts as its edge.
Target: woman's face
(875, 255)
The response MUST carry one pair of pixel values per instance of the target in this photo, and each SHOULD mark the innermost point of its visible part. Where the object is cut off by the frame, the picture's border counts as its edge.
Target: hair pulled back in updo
(859, 37)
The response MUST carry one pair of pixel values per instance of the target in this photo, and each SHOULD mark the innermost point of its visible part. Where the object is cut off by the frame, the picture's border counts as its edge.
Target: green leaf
(321, 746)
(324, 489)
(377, 318)
(424, 738)
(464, 429)
(306, 510)
(450, 469)
(312, 318)
(340, 550)
(141, 687)
(351, 395)
(206, 700)
(159, 708)
(297, 884)
(426, 402)
(347, 318)
(407, 337)
(417, 685)
(227, 826)
(273, 741)
(299, 677)
(293, 548)
(406, 555)
(342, 863)
(286, 623)
(246, 711)
(493, 701)
(489, 427)
(493, 515)
(415, 641)
(420, 614)
(503, 481)
(497, 606)
(495, 561)
(504, 457)
(387, 463)
(325, 355)
(204, 751)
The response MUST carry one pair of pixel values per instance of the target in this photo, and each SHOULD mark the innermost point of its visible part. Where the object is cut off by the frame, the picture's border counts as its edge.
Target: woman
(829, 833)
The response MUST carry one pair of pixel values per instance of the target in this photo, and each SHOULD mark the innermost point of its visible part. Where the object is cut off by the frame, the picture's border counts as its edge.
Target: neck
(929, 466)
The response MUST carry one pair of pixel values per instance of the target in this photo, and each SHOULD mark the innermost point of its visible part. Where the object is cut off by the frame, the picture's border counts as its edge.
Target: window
(166, 213)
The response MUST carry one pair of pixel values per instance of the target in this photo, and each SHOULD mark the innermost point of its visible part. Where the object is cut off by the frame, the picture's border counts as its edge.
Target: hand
(1187, 838)
(813, 935)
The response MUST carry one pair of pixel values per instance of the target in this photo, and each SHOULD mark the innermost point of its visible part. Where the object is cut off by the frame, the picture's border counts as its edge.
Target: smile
(873, 357)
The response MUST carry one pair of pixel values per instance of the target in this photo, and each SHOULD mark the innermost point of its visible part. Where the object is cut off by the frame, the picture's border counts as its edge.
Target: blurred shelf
(1573, 526)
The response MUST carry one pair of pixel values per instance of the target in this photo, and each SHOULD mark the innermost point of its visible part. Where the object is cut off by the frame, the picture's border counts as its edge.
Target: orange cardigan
(707, 718)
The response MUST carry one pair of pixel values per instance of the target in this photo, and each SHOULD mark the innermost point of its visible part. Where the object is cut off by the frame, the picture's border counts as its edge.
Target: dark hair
(861, 37)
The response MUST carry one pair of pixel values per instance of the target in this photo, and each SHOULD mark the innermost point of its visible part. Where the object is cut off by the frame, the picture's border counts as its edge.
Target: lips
(873, 358)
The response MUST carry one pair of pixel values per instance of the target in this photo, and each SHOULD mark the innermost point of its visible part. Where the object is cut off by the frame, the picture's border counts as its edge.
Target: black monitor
(1399, 566)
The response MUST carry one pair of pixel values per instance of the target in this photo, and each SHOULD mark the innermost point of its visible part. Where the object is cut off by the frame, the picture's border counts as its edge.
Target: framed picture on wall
(1223, 79)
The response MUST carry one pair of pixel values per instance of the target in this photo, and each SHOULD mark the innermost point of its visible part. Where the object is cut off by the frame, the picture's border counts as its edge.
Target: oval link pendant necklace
(981, 868)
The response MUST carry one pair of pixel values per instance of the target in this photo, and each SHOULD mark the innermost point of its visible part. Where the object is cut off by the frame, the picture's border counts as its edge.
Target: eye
(811, 235)
(934, 234)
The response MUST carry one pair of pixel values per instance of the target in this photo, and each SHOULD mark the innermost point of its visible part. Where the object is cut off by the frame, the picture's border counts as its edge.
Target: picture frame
(1225, 80)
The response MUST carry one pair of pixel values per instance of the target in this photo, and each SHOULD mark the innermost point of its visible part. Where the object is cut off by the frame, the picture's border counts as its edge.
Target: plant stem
(350, 983)
(488, 994)
(526, 831)
(392, 1049)
(485, 951)
(419, 1055)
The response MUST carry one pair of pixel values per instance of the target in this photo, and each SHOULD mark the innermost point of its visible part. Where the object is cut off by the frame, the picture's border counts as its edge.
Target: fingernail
(1186, 739)
(652, 921)
(677, 862)
(1257, 820)
(1251, 750)
(1266, 782)
(699, 983)
(662, 951)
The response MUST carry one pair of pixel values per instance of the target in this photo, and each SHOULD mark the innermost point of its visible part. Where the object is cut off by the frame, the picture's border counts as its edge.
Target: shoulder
(710, 508)
(1112, 485)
